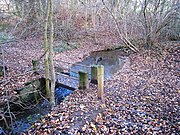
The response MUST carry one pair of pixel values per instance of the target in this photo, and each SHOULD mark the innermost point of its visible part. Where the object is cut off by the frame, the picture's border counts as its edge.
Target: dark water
(111, 60)
(61, 93)
(24, 121)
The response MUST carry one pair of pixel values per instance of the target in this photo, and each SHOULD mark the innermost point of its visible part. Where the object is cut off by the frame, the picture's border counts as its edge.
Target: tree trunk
(94, 21)
(86, 15)
(147, 31)
(46, 49)
(51, 63)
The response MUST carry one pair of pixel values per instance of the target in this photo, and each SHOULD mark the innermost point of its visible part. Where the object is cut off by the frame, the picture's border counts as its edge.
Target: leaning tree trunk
(46, 49)
(51, 63)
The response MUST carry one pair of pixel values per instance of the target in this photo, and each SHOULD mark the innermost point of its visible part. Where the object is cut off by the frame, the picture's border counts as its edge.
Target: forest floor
(143, 97)
(19, 56)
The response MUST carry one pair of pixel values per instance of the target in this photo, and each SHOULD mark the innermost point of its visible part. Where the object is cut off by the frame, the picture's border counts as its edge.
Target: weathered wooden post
(100, 77)
(34, 64)
(94, 74)
(4, 68)
(83, 80)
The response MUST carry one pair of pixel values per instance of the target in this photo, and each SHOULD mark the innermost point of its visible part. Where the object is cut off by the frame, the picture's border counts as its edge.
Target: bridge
(78, 77)
(71, 76)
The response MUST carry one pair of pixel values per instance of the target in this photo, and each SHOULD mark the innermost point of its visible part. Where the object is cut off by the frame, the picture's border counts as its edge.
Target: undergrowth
(64, 46)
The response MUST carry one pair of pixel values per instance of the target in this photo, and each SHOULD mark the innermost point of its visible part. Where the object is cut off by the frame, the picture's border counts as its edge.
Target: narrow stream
(24, 121)
(112, 61)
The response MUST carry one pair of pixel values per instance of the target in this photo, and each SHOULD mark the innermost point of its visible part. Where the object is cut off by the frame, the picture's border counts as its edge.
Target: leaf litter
(142, 98)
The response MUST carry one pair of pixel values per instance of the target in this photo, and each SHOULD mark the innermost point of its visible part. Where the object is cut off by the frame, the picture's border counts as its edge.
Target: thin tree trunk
(46, 49)
(86, 15)
(147, 33)
(94, 21)
(52, 71)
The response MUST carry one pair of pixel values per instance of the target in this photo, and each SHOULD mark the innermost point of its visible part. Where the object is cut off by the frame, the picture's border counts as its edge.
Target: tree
(51, 63)
(46, 49)
(155, 17)
(121, 33)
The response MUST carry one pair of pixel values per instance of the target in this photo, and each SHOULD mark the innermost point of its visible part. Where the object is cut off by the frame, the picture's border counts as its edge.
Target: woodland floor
(142, 98)
(19, 56)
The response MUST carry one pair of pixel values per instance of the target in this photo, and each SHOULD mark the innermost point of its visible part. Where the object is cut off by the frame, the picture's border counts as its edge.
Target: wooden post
(3, 62)
(83, 80)
(34, 64)
(94, 74)
(100, 77)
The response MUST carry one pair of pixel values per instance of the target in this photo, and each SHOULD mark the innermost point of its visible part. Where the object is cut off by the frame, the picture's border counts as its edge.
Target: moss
(64, 47)
(4, 37)
(4, 26)
(83, 80)
(26, 93)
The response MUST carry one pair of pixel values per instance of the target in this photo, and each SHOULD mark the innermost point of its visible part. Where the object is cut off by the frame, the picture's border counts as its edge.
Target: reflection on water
(111, 60)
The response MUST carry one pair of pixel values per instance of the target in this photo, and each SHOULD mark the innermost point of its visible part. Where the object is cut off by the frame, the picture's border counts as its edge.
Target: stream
(112, 62)
(24, 121)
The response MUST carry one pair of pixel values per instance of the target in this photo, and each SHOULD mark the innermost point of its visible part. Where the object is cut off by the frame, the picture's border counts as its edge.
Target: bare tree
(122, 34)
(52, 70)
(155, 17)
(46, 49)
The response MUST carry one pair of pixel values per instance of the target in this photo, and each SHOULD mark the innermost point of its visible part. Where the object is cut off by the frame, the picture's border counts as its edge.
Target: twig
(4, 119)
(9, 111)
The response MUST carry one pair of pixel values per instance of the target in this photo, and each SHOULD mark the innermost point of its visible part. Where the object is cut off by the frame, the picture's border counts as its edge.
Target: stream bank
(112, 61)
(141, 98)
(30, 105)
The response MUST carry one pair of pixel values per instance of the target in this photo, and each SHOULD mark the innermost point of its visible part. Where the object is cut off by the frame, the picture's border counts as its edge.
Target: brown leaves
(137, 108)
(141, 98)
